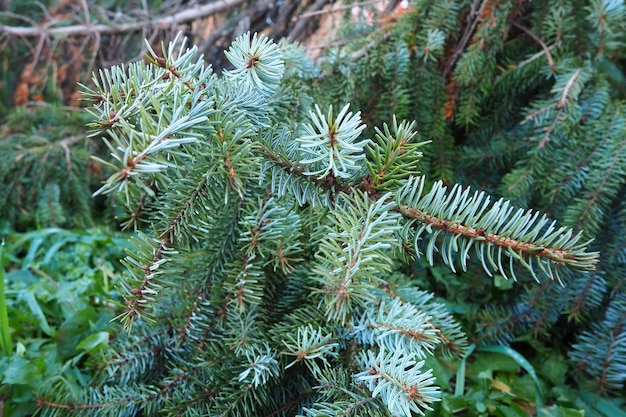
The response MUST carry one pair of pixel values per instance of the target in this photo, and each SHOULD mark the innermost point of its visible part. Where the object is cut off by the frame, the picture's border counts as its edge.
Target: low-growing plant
(59, 298)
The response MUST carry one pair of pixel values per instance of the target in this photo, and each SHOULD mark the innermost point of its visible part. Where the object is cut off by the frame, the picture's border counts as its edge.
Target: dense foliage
(268, 281)
(59, 296)
(526, 100)
(294, 255)
(47, 176)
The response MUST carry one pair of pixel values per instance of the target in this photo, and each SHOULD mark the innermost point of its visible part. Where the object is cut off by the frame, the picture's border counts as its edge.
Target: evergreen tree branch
(473, 18)
(559, 256)
(565, 252)
(329, 184)
(453, 340)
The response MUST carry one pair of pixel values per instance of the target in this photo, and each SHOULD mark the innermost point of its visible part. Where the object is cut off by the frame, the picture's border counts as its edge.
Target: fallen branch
(298, 28)
(192, 13)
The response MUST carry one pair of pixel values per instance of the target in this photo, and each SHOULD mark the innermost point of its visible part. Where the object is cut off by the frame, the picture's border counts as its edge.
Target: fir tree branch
(592, 199)
(564, 257)
(558, 256)
(140, 207)
(583, 295)
(581, 164)
(330, 183)
(206, 286)
(139, 296)
(454, 346)
(42, 402)
(118, 358)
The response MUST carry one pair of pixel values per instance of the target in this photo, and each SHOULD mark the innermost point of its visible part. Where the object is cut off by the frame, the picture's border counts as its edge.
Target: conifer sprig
(258, 63)
(276, 236)
(398, 378)
(332, 145)
(496, 232)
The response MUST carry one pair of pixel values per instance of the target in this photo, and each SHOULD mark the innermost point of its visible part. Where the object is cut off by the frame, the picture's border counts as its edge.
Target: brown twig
(473, 18)
(191, 13)
(539, 41)
(308, 14)
(302, 22)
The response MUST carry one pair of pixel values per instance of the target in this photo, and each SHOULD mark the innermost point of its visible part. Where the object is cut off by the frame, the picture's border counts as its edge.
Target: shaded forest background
(49, 47)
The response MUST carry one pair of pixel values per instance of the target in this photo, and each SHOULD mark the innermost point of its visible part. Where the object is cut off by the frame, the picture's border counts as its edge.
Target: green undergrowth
(529, 380)
(59, 295)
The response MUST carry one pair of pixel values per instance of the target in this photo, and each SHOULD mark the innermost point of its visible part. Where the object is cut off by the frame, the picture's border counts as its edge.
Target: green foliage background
(60, 296)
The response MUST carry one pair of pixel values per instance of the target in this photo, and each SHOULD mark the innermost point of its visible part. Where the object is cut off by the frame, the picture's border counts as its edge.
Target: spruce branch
(142, 281)
(352, 254)
(303, 172)
(140, 354)
(309, 345)
(452, 341)
(500, 233)
(398, 379)
(340, 395)
(520, 235)
(114, 400)
(496, 233)
(393, 156)
(600, 351)
(545, 49)
(261, 364)
(397, 326)
(330, 147)
(258, 63)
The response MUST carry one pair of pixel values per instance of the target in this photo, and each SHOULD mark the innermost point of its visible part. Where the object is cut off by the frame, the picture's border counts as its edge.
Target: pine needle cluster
(525, 100)
(46, 172)
(266, 272)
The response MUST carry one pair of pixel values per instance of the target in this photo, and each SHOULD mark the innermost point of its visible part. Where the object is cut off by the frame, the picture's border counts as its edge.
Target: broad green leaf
(502, 283)
(21, 371)
(558, 411)
(460, 374)
(453, 405)
(521, 361)
(98, 340)
(38, 240)
(602, 405)
(21, 276)
(74, 330)
(511, 411)
(486, 364)
(35, 308)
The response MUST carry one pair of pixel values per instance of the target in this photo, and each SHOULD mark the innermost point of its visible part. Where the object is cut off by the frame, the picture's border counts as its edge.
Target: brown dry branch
(186, 15)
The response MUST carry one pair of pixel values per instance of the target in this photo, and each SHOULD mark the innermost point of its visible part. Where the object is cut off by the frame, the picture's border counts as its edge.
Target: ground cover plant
(57, 302)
